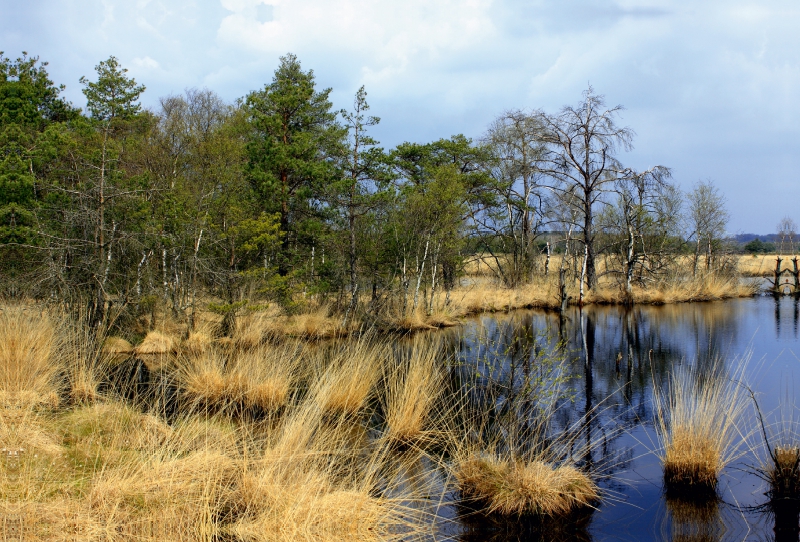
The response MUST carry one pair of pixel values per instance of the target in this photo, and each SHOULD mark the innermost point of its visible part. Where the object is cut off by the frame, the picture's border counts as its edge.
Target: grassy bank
(355, 439)
(255, 449)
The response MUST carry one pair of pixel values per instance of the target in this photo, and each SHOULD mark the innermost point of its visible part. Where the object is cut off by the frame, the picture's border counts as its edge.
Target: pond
(618, 355)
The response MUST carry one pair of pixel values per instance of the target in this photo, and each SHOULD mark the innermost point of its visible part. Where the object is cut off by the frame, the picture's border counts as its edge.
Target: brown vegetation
(699, 418)
(518, 488)
(96, 468)
(412, 391)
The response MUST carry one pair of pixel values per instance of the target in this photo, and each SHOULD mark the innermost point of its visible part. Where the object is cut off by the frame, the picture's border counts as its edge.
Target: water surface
(620, 354)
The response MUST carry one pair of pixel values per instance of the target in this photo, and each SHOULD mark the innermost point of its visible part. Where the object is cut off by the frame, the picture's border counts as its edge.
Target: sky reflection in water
(619, 353)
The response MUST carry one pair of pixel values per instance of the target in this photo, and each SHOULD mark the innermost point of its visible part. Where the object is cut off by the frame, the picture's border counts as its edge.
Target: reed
(699, 419)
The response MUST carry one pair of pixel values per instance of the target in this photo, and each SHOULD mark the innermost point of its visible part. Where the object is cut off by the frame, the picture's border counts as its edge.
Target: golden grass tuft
(28, 366)
(518, 488)
(692, 459)
(156, 342)
(268, 374)
(348, 377)
(197, 343)
(783, 472)
(258, 378)
(117, 345)
(309, 485)
(316, 325)
(303, 513)
(203, 380)
(413, 388)
(698, 421)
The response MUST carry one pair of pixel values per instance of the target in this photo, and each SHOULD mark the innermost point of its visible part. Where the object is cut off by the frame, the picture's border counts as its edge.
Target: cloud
(145, 63)
(710, 87)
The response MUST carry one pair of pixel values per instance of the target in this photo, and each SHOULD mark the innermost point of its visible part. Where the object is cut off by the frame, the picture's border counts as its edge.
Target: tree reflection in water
(615, 356)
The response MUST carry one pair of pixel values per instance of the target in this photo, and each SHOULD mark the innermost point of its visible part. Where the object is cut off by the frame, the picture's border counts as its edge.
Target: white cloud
(145, 63)
(709, 86)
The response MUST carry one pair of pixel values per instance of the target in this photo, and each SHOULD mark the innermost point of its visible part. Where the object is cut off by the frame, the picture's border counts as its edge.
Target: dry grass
(268, 374)
(104, 470)
(698, 421)
(29, 367)
(309, 484)
(197, 343)
(517, 488)
(117, 345)
(783, 473)
(203, 381)
(778, 454)
(261, 378)
(483, 294)
(413, 389)
(347, 378)
(156, 342)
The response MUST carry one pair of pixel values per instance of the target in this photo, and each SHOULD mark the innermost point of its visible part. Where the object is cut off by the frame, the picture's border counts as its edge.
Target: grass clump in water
(515, 459)
(519, 488)
(413, 389)
(348, 377)
(698, 422)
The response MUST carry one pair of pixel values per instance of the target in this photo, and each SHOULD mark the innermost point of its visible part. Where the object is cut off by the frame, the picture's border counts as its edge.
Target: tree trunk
(588, 240)
(696, 256)
(193, 294)
(420, 271)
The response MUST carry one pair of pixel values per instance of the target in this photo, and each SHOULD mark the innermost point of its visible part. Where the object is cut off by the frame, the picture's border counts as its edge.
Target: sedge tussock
(260, 378)
(156, 342)
(519, 488)
(413, 389)
(778, 454)
(28, 368)
(783, 474)
(117, 345)
(197, 343)
(249, 333)
(203, 380)
(305, 514)
(269, 374)
(304, 488)
(698, 422)
(349, 376)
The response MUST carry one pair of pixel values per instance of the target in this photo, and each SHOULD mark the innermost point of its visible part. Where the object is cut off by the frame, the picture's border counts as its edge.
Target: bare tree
(580, 157)
(644, 223)
(708, 218)
(516, 142)
(787, 231)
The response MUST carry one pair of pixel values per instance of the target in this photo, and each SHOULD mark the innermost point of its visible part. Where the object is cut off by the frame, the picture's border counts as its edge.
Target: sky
(711, 88)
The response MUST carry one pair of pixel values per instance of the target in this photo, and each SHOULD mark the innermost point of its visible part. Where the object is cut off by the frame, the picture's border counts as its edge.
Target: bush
(757, 246)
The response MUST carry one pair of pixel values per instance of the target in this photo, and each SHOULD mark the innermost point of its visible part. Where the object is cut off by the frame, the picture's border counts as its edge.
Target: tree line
(281, 198)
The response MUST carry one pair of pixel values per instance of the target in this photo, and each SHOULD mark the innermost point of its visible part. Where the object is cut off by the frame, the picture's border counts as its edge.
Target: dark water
(619, 355)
